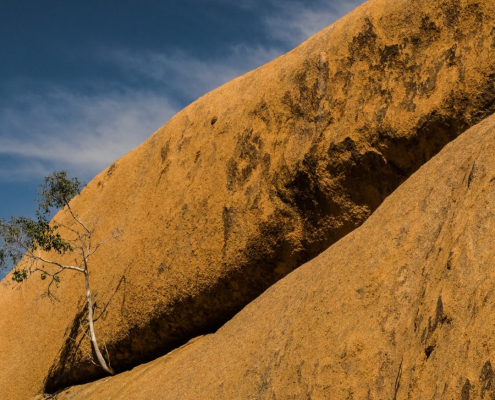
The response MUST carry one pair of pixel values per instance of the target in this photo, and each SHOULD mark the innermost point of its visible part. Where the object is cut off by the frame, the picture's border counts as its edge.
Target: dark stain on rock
(164, 170)
(487, 377)
(293, 106)
(389, 54)
(183, 143)
(303, 196)
(450, 55)
(363, 44)
(423, 335)
(450, 12)
(411, 87)
(474, 9)
(387, 100)
(249, 149)
(440, 318)
(427, 86)
(262, 112)
(433, 132)
(62, 371)
(161, 268)
(471, 174)
(417, 320)
(307, 195)
(450, 261)
(111, 169)
(227, 218)
(486, 99)
(430, 28)
(165, 150)
(429, 350)
(305, 104)
(365, 175)
(247, 157)
(231, 174)
(343, 78)
(466, 389)
(267, 162)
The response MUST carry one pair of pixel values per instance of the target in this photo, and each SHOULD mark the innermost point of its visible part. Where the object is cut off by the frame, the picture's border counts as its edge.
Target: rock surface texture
(253, 180)
(402, 308)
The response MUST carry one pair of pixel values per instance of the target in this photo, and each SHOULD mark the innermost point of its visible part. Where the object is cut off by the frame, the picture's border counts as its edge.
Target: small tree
(34, 240)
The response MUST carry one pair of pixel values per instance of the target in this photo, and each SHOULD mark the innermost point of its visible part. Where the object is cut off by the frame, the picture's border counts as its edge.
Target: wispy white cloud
(60, 129)
(189, 75)
(295, 22)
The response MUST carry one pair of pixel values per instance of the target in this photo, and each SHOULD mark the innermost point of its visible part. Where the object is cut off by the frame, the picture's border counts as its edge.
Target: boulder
(401, 308)
(251, 181)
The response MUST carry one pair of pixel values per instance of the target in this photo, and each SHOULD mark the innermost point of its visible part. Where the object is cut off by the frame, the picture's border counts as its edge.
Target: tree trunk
(89, 301)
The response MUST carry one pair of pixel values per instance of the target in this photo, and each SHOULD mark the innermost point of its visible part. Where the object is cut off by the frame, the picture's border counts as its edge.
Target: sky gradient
(83, 83)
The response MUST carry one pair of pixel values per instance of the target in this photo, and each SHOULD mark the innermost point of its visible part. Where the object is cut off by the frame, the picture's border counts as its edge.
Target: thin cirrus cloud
(293, 21)
(296, 22)
(59, 128)
(190, 76)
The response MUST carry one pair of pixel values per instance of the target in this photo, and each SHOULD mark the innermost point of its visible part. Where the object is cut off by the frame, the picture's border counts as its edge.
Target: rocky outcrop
(251, 181)
(402, 308)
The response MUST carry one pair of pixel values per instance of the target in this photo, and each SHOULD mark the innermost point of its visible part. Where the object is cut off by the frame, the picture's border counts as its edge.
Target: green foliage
(20, 235)
(56, 192)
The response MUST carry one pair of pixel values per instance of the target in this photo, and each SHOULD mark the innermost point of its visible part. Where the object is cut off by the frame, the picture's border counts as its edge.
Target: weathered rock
(402, 308)
(253, 180)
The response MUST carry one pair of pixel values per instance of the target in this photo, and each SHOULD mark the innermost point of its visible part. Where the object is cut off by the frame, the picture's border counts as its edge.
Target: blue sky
(84, 82)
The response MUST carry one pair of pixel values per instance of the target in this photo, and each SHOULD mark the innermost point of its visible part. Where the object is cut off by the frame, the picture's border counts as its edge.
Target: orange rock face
(402, 308)
(253, 180)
